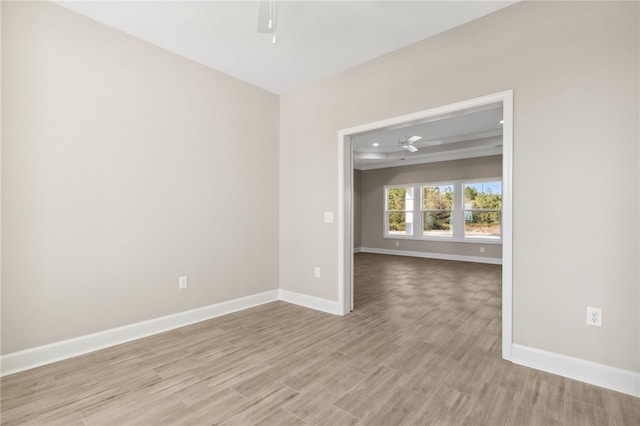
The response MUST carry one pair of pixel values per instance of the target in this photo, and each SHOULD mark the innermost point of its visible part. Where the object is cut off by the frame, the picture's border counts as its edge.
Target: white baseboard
(574, 368)
(605, 376)
(324, 305)
(58, 351)
(41, 355)
(357, 249)
(427, 255)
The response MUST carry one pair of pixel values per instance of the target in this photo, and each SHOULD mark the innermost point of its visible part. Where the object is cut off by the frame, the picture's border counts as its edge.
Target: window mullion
(417, 211)
(458, 211)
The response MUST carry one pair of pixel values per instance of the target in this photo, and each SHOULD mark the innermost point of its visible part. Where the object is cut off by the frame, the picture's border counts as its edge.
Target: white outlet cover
(594, 316)
(183, 282)
(328, 217)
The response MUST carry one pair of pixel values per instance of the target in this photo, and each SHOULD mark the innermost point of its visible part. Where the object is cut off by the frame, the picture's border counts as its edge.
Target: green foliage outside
(484, 200)
(397, 200)
(397, 222)
(482, 222)
(437, 198)
(438, 204)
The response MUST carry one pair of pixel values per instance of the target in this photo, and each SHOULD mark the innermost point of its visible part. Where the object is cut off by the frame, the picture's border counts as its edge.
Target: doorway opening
(346, 139)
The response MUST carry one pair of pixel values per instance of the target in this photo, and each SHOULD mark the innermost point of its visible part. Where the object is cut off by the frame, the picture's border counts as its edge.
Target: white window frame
(483, 240)
(421, 187)
(386, 212)
(458, 234)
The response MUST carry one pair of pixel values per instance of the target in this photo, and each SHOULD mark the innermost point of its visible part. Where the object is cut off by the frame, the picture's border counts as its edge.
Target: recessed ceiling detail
(465, 134)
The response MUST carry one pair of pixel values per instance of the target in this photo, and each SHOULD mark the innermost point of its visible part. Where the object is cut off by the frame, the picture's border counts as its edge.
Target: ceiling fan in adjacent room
(408, 143)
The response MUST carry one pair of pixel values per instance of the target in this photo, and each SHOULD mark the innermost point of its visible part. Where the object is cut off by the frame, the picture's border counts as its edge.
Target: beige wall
(124, 167)
(574, 69)
(117, 156)
(372, 200)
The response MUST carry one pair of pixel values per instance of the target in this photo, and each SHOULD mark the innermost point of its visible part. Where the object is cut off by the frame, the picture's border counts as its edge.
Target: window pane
(399, 198)
(437, 224)
(481, 224)
(437, 197)
(483, 195)
(400, 223)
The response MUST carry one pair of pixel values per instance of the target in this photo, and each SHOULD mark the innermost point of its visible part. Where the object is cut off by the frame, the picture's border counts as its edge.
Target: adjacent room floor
(422, 347)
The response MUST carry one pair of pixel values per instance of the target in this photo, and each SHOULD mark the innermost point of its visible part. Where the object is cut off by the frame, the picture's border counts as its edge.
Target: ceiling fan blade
(413, 139)
(410, 148)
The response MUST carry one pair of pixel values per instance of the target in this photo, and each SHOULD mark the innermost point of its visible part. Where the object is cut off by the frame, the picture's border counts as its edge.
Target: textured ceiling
(315, 39)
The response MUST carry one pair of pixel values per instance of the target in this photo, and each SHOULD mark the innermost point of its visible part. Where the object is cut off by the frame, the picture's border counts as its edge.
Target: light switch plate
(183, 282)
(328, 217)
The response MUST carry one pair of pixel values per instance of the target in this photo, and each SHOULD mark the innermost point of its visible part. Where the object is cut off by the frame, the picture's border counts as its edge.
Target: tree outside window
(482, 209)
(399, 211)
(437, 210)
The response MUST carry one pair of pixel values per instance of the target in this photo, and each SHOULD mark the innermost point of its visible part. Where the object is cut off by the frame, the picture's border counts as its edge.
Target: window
(437, 210)
(399, 211)
(482, 209)
(464, 211)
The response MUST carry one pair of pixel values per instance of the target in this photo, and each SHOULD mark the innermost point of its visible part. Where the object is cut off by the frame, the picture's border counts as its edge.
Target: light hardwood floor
(422, 347)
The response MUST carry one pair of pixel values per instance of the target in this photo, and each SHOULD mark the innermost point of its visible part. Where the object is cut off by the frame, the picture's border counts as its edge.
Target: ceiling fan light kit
(267, 18)
(408, 143)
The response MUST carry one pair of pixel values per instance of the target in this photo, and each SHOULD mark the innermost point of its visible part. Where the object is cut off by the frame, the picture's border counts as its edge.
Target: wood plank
(422, 347)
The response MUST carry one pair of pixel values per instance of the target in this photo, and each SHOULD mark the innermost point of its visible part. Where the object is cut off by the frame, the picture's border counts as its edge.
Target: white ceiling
(315, 39)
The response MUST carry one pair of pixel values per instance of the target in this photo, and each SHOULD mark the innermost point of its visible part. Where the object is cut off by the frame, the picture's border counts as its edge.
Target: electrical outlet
(328, 217)
(183, 282)
(397, 243)
(594, 316)
(316, 272)
(481, 249)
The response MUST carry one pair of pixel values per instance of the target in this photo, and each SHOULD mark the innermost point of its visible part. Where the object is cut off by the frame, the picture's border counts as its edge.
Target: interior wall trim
(427, 255)
(42, 355)
(345, 199)
(35, 357)
(605, 376)
(312, 302)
